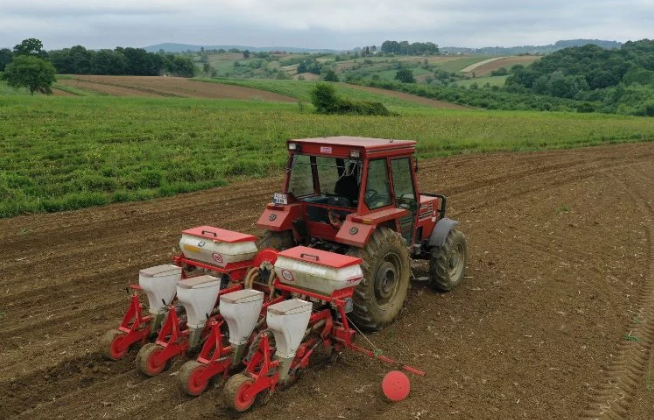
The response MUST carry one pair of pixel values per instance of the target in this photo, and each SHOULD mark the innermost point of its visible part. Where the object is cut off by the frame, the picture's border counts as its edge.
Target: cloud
(319, 23)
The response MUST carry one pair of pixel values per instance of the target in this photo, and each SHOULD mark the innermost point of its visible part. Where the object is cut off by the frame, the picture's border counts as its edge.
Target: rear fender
(440, 232)
(279, 217)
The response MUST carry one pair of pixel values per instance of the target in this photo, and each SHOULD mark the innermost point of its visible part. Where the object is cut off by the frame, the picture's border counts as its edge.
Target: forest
(119, 61)
(614, 80)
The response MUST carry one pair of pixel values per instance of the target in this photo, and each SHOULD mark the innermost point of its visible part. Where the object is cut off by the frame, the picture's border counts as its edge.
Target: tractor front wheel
(386, 267)
(448, 262)
(146, 360)
(235, 389)
(110, 345)
(189, 377)
(276, 240)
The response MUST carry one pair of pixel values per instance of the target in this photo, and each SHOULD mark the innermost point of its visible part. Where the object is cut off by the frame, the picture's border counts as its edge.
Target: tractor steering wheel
(370, 194)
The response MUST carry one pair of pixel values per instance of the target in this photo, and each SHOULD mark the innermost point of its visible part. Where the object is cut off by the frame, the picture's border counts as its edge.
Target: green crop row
(64, 153)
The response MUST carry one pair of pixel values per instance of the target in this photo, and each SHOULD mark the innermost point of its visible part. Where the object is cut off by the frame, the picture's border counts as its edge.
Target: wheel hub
(385, 282)
(456, 261)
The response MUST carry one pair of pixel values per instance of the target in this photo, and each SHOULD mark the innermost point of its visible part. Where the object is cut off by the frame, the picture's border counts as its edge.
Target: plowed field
(555, 319)
(168, 86)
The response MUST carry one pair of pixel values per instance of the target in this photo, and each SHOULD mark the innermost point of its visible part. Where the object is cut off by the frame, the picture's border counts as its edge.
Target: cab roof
(366, 143)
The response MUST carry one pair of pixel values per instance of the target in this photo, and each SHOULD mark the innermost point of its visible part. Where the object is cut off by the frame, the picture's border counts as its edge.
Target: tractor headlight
(355, 154)
(292, 146)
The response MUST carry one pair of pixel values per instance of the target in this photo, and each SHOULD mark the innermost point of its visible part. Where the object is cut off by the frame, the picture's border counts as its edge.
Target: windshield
(338, 180)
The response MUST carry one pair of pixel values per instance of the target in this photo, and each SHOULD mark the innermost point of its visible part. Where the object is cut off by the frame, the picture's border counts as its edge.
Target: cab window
(378, 190)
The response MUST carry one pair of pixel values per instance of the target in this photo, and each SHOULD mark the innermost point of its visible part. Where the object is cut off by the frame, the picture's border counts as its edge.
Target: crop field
(455, 66)
(299, 90)
(235, 65)
(506, 62)
(150, 86)
(554, 319)
(63, 153)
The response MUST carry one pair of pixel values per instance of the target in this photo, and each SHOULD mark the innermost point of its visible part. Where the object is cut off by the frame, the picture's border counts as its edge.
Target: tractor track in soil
(613, 398)
(561, 260)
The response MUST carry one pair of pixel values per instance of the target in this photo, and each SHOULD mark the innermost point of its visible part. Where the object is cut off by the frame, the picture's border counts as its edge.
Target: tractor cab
(338, 182)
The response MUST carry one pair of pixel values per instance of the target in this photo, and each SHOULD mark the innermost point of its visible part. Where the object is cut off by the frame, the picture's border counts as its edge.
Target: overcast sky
(338, 24)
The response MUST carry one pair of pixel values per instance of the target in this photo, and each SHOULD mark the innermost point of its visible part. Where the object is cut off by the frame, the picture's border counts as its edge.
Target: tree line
(619, 80)
(404, 48)
(119, 61)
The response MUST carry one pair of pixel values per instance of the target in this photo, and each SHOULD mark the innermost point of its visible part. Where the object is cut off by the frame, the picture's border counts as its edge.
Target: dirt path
(411, 98)
(560, 276)
(485, 68)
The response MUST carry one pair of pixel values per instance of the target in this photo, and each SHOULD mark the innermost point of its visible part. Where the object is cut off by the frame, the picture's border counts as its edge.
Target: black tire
(233, 391)
(276, 240)
(386, 266)
(448, 262)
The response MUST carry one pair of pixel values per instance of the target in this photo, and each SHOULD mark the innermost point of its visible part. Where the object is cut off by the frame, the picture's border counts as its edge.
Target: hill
(179, 48)
(532, 49)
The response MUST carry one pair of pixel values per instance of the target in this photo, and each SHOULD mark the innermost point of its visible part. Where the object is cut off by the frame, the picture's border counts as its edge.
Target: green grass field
(64, 153)
(481, 81)
(455, 66)
(300, 90)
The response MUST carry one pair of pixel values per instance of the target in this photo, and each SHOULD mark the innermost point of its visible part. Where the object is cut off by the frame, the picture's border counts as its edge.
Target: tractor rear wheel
(276, 240)
(234, 392)
(146, 362)
(110, 345)
(189, 378)
(386, 267)
(448, 262)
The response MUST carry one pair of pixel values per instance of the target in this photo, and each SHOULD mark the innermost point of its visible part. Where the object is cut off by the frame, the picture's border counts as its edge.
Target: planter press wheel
(146, 360)
(235, 389)
(189, 377)
(110, 345)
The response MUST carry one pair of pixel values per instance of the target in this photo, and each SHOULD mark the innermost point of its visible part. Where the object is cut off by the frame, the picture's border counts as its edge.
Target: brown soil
(508, 62)
(411, 98)
(59, 92)
(105, 89)
(170, 86)
(560, 271)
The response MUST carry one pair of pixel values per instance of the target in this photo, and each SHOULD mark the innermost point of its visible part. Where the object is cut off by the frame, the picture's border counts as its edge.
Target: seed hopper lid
(199, 282)
(164, 270)
(290, 307)
(242, 296)
(319, 257)
(221, 235)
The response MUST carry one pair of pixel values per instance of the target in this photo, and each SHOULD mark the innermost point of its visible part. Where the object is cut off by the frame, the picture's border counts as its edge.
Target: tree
(5, 58)
(107, 62)
(30, 46)
(246, 54)
(206, 68)
(405, 76)
(33, 73)
(330, 76)
(323, 97)
(81, 58)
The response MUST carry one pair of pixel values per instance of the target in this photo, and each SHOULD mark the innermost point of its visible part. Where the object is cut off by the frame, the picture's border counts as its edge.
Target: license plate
(280, 198)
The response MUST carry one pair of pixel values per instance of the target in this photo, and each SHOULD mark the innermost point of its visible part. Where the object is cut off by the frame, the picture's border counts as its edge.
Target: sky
(335, 24)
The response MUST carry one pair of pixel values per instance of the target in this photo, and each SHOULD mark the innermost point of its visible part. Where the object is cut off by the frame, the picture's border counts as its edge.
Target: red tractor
(335, 257)
(359, 197)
